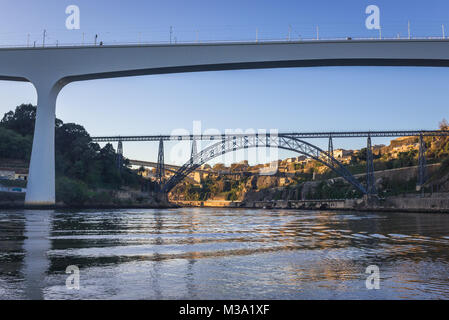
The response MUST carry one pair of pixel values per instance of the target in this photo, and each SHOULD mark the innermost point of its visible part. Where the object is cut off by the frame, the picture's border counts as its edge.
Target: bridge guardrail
(214, 42)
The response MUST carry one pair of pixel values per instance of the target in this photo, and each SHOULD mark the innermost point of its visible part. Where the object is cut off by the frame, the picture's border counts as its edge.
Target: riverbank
(122, 199)
(427, 203)
(16, 200)
(434, 203)
(89, 207)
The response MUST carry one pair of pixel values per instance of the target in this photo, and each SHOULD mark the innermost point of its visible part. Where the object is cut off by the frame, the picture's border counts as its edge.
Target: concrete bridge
(50, 69)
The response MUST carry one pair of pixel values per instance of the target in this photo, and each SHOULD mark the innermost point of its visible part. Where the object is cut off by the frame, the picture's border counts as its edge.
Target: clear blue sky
(316, 99)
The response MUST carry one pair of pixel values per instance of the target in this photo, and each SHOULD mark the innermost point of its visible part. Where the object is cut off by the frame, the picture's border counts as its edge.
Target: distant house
(270, 169)
(341, 153)
(206, 167)
(7, 174)
(21, 174)
(199, 176)
(147, 173)
(306, 161)
(12, 189)
(13, 174)
(296, 159)
(284, 182)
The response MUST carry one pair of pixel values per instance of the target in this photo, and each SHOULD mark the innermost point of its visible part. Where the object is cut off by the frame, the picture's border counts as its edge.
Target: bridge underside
(266, 65)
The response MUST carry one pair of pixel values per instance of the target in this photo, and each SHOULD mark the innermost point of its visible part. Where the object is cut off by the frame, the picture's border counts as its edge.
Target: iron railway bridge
(293, 141)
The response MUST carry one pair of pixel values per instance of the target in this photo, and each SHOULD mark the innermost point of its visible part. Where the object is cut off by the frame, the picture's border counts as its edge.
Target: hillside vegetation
(84, 170)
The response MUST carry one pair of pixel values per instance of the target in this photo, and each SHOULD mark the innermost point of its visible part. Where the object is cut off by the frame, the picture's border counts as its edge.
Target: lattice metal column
(370, 181)
(194, 151)
(160, 170)
(120, 155)
(422, 172)
(330, 150)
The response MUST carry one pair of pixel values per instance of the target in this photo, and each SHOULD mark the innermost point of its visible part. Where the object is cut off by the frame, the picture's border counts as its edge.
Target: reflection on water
(222, 254)
(35, 247)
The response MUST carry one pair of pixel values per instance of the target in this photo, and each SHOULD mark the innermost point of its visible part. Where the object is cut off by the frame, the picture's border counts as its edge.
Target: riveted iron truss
(298, 135)
(239, 142)
(160, 170)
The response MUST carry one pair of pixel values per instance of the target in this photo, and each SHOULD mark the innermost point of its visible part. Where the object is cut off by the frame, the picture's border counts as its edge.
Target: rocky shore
(435, 203)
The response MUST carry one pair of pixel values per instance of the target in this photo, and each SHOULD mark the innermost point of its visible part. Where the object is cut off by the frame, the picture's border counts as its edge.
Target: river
(199, 253)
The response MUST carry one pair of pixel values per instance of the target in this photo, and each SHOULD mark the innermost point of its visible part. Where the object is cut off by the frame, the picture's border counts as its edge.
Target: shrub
(71, 192)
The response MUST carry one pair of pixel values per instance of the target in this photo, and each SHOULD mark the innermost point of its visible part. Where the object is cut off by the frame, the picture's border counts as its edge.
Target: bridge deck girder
(299, 135)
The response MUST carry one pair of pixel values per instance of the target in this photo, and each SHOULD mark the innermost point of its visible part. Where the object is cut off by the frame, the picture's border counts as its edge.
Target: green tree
(22, 120)
(14, 145)
(81, 164)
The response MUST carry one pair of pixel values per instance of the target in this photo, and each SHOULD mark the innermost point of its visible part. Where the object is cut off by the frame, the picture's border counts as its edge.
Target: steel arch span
(235, 143)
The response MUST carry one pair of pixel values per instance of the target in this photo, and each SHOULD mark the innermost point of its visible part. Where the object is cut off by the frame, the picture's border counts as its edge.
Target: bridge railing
(300, 135)
(209, 42)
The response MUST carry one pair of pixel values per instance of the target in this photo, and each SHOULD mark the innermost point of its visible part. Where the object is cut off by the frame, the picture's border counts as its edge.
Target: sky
(293, 99)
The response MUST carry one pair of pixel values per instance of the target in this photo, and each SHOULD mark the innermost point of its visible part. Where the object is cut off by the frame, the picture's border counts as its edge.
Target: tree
(444, 125)
(14, 145)
(22, 120)
(80, 163)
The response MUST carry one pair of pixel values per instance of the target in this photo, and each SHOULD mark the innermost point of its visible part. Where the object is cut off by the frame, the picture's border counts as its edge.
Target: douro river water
(196, 253)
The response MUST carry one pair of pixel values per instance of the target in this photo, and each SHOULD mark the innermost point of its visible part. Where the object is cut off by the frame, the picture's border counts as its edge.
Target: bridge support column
(41, 180)
(160, 170)
(194, 151)
(330, 149)
(422, 174)
(120, 155)
(370, 180)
